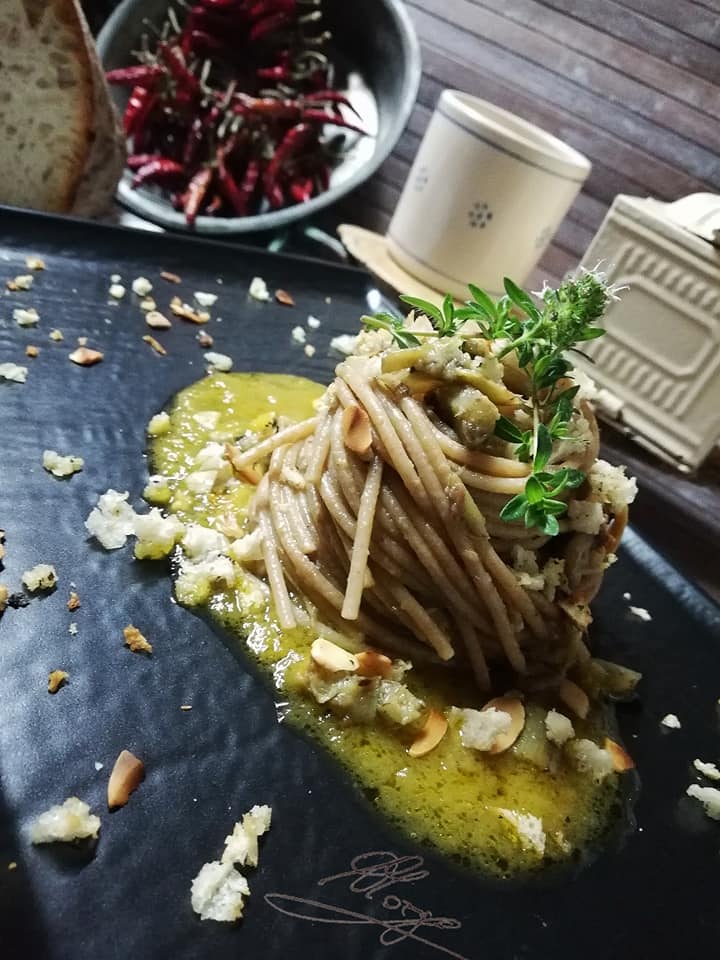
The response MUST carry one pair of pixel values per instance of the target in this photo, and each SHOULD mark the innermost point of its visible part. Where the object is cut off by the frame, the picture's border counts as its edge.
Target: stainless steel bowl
(378, 47)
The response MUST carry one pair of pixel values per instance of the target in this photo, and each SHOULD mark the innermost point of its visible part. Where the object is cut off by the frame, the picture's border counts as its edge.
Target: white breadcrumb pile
(218, 892)
(671, 721)
(558, 727)
(709, 797)
(116, 291)
(298, 334)
(641, 613)
(205, 299)
(219, 889)
(13, 372)
(309, 350)
(198, 578)
(219, 361)
(529, 829)
(65, 822)
(115, 278)
(708, 770)
(313, 322)
(611, 485)
(112, 520)
(588, 757)
(241, 846)
(345, 343)
(56, 335)
(158, 425)
(481, 728)
(41, 577)
(526, 570)
(60, 466)
(156, 534)
(26, 318)
(247, 549)
(141, 286)
(258, 289)
(586, 516)
(157, 490)
(397, 703)
(201, 543)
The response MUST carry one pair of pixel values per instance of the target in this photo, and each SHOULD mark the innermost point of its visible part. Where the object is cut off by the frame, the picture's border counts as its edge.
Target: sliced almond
(331, 657)
(56, 679)
(357, 434)
(155, 344)
(434, 729)
(157, 320)
(170, 277)
(85, 356)
(574, 697)
(514, 707)
(23, 282)
(31, 350)
(620, 757)
(282, 296)
(371, 663)
(147, 304)
(34, 263)
(186, 312)
(126, 776)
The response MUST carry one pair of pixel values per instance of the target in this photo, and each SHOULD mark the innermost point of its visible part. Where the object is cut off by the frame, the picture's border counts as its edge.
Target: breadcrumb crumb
(136, 641)
(56, 680)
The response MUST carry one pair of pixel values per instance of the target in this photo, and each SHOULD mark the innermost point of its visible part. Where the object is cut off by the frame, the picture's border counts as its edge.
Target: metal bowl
(379, 51)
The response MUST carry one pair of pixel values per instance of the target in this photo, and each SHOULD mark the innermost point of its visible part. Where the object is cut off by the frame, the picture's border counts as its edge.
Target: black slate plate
(654, 896)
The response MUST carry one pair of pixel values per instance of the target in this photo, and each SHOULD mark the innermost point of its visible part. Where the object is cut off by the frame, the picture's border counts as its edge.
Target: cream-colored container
(658, 366)
(484, 196)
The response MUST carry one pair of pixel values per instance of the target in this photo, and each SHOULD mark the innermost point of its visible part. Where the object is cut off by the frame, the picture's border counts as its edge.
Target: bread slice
(60, 145)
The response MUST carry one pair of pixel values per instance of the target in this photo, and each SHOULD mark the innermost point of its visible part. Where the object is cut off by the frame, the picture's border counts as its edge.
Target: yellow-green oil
(449, 798)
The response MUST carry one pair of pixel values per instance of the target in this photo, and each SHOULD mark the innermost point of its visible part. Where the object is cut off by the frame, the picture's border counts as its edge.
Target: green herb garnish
(541, 336)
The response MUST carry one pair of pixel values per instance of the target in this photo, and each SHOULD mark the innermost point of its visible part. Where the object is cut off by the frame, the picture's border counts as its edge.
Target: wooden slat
(570, 80)
(674, 83)
(644, 33)
(685, 16)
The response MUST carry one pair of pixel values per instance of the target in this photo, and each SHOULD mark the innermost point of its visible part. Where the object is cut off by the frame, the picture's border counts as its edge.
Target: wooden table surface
(635, 86)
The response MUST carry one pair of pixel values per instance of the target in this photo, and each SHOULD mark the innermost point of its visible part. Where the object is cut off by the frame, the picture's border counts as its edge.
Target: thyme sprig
(541, 336)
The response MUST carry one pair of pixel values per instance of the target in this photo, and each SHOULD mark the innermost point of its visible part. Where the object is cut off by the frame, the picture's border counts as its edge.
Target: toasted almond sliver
(127, 775)
(157, 320)
(371, 663)
(31, 350)
(56, 679)
(86, 357)
(34, 263)
(357, 435)
(620, 757)
(155, 344)
(282, 296)
(515, 708)
(331, 657)
(186, 312)
(147, 304)
(575, 698)
(434, 729)
(170, 277)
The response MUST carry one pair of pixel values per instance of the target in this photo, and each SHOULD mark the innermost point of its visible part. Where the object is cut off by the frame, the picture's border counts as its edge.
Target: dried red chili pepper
(250, 182)
(262, 28)
(267, 108)
(237, 199)
(205, 44)
(137, 160)
(214, 207)
(331, 96)
(172, 57)
(196, 192)
(223, 4)
(293, 141)
(275, 195)
(319, 116)
(278, 73)
(142, 75)
(302, 190)
(193, 143)
(139, 105)
(155, 170)
(264, 8)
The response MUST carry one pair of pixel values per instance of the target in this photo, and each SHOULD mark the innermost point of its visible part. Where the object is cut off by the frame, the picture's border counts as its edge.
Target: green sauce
(449, 798)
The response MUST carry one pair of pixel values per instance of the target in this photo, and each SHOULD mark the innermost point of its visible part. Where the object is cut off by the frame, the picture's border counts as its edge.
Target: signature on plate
(371, 873)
